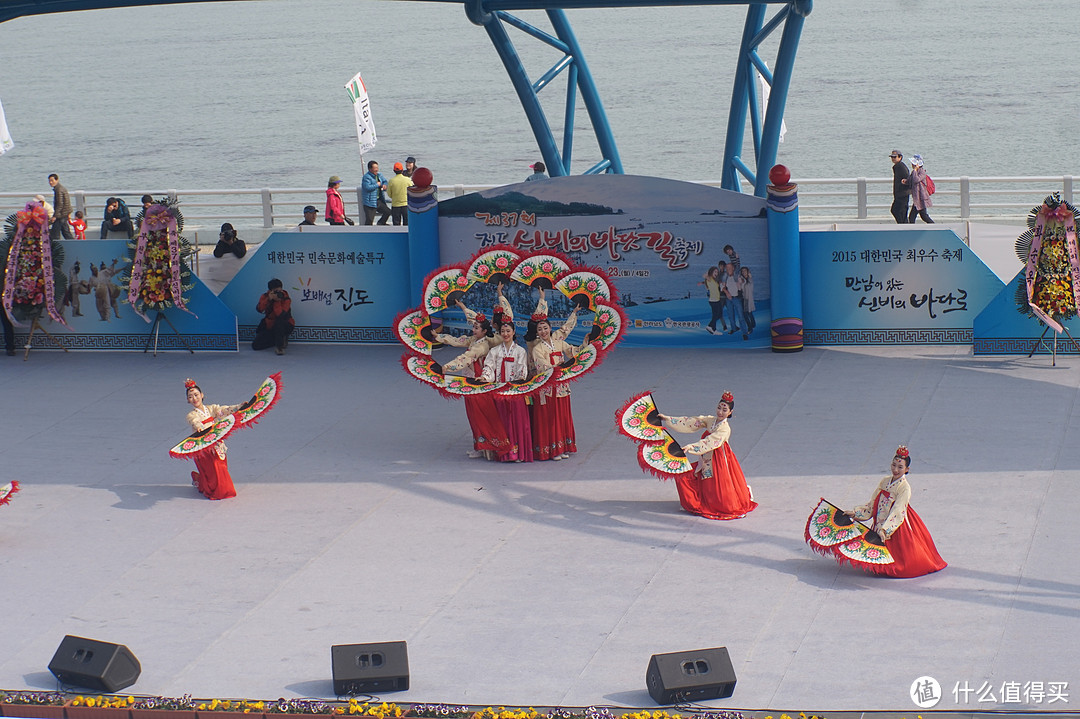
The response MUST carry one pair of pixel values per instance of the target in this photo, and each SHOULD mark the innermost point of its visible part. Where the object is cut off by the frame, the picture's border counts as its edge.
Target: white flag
(365, 126)
(765, 88)
(6, 143)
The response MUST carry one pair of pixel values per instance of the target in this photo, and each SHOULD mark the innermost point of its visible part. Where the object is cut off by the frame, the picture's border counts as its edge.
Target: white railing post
(965, 198)
(267, 209)
(1067, 188)
(860, 190)
(80, 204)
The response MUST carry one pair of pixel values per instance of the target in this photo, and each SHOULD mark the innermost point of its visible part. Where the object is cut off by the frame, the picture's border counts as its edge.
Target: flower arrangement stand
(35, 325)
(154, 334)
(1041, 342)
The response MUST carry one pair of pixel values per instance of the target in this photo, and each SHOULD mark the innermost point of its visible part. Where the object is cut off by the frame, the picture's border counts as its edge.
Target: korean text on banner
(6, 143)
(365, 126)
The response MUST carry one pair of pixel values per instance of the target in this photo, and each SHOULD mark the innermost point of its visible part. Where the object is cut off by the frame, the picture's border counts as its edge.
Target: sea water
(251, 94)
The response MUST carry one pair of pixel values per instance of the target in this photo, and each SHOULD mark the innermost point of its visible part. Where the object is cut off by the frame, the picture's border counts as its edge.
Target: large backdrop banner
(898, 287)
(96, 309)
(345, 286)
(654, 239)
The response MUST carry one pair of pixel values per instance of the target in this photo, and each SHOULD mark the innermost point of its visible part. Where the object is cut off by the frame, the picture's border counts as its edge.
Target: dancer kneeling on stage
(552, 421)
(489, 435)
(899, 526)
(507, 362)
(213, 478)
(717, 488)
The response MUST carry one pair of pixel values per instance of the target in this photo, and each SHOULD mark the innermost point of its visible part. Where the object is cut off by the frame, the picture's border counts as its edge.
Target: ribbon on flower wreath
(26, 269)
(1047, 219)
(158, 218)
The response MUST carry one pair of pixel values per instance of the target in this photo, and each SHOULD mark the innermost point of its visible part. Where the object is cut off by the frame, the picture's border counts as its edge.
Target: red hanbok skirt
(552, 428)
(489, 434)
(912, 549)
(725, 495)
(514, 415)
(213, 478)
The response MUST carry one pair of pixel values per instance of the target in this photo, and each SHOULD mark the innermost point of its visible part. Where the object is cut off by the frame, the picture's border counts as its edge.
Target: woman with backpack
(920, 184)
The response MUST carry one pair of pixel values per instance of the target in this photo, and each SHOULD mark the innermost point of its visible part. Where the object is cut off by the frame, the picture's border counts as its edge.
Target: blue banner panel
(654, 239)
(345, 286)
(896, 287)
(1001, 329)
(97, 311)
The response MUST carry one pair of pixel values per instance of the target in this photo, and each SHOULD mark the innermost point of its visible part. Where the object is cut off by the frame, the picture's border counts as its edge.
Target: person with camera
(277, 322)
(229, 242)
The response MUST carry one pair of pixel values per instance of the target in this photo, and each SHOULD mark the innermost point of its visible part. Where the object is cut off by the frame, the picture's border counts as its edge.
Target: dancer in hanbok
(507, 362)
(898, 525)
(212, 477)
(489, 435)
(717, 488)
(552, 420)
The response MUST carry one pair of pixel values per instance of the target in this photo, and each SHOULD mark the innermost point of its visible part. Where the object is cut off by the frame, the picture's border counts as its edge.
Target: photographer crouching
(277, 322)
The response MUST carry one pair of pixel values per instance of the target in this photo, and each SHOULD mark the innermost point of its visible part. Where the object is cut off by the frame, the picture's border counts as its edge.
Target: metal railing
(257, 212)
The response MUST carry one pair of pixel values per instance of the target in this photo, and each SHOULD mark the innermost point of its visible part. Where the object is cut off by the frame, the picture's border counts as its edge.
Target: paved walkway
(359, 519)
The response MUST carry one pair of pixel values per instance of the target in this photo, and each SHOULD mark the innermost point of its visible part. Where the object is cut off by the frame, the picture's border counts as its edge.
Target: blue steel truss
(495, 15)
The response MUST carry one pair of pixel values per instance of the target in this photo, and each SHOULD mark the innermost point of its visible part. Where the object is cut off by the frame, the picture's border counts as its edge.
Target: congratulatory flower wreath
(33, 275)
(1050, 291)
(586, 288)
(158, 277)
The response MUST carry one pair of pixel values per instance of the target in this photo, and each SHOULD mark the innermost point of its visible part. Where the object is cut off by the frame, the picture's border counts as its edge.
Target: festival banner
(898, 287)
(365, 125)
(654, 239)
(346, 285)
(97, 311)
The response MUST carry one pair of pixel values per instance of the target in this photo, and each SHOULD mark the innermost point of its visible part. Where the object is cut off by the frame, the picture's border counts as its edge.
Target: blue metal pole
(589, 94)
(740, 99)
(774, 114)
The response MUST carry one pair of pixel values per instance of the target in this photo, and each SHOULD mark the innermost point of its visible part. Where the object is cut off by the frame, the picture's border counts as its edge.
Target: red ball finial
(422, 177)
(779, 175)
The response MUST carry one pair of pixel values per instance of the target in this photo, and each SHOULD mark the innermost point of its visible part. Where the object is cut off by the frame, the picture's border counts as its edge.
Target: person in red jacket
(277, 322)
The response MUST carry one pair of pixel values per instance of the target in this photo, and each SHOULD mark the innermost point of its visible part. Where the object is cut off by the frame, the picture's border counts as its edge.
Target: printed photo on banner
(690, 262)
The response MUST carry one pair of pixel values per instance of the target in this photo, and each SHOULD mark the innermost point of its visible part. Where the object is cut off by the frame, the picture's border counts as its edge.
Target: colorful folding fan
(414, 330)
(540, 271)
(444, 289)
(659, 453)
(831, 533)
(585, 289)
(7, 491)
(495, 265)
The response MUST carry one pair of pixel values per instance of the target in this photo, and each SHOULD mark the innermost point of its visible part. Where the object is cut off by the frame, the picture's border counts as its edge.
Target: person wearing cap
(399, 195)
(410, 166)
(920, 195)
(900, 190)
(538, 169)
(374, 185)
(310, 213)
(335, 206)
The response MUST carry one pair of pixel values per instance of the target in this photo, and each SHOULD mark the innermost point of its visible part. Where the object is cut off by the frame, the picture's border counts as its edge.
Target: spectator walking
(920, 195)
(61, 224)
(900, 190)
(399, 195)
(277, 322)
(539, 169)
(374, 185)
(229, 242)
(335, 206)
(311, 213)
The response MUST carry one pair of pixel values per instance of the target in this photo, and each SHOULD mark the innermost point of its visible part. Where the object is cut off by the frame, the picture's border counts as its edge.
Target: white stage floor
(359, 519)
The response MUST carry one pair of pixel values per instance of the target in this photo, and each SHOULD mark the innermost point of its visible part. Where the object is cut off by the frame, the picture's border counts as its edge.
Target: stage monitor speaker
(370, 668)
(93, 664)
(690, 676)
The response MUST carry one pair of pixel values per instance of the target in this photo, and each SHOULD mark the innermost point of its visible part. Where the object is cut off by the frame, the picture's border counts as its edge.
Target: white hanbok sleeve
(714, 441)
